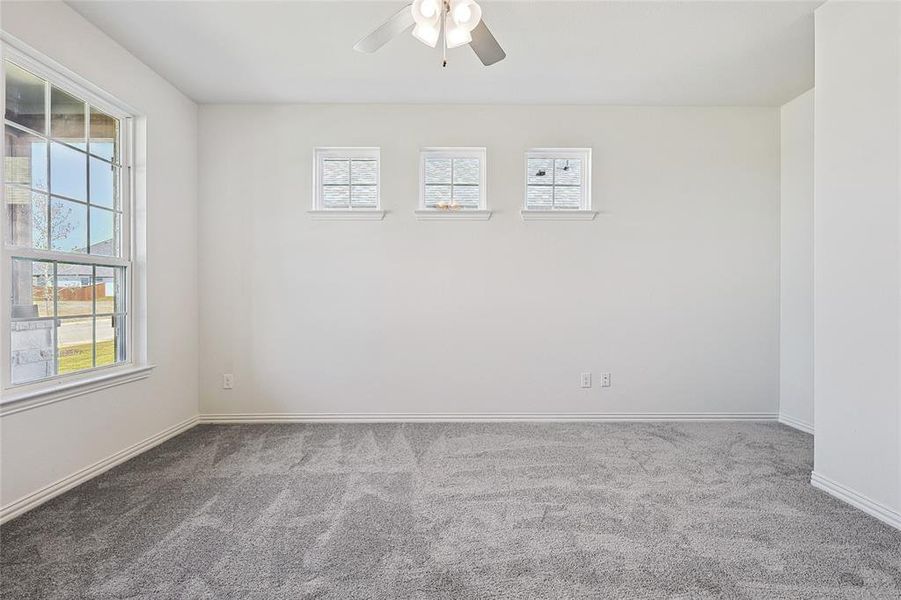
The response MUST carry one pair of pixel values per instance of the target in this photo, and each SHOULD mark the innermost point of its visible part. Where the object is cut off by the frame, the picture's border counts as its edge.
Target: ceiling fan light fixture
(466, 13)
(427, 33)
(454, 35)
(460, 22)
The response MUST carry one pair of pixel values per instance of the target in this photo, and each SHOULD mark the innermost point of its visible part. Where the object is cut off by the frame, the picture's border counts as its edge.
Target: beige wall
(43, 445)
(796, 252)
(857, 249)
(674, 289)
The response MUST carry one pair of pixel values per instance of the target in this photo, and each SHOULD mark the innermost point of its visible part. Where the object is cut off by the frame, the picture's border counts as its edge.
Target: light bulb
(466, 13)
(427, 34)
(425, 12)
(455, 35)
(428, 9)
(462, 14)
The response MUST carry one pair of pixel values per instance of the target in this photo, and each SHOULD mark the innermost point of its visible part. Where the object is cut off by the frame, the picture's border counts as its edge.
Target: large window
(66, 252)
(452, 180)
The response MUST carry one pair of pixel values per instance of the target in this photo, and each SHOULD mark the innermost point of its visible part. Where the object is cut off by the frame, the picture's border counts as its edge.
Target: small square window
(452, 180)
(558, 180)
(346, 179)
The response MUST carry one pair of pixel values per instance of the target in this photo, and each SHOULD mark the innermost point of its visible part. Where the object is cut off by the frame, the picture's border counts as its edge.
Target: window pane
(31, 350)
(109, 290)
(68, 226)
(540, 171)
(104, 135)
(540, 197)
(104, 187)
(466, 196)
(364, 172)
(437, 194)
(335, 171)
(67, 118)
(568, 171)
(25, 160)
(466, 170)
(75, 344)
(336, 196)
(68, 172)
(74, 290)
(103, 232)
(25, 98)
(567, 197)
(27, 217)
(109, 331)
(438, 170)
(32, 288)
(364, 196)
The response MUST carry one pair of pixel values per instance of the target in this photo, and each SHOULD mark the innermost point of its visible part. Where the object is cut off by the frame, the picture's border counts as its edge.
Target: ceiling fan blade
(396, 25)
(485, 45)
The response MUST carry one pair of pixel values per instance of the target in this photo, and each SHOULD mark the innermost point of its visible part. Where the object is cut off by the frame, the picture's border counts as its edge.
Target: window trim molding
(344, 214)
(62, 387)
(42, 65)
(558, 215)
(133, 240)
(482, 213)
(469, 214)
(318, 212)
(584, 212)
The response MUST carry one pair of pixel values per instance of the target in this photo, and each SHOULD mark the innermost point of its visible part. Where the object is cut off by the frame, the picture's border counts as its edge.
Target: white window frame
(481, 213)
(351, 213)
(24, 396)
(584, 212)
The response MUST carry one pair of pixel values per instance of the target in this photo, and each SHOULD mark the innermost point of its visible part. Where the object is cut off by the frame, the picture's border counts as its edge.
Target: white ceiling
(638, 53)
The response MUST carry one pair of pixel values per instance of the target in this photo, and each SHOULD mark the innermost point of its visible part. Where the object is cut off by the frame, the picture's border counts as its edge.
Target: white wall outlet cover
(605, 380)
(586, 380)
(228, 381)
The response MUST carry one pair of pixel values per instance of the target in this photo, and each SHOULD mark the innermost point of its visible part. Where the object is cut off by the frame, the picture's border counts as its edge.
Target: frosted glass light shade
(427, 33)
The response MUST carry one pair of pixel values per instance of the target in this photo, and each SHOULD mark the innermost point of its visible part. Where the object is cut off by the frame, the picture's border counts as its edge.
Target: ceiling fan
(459, 20)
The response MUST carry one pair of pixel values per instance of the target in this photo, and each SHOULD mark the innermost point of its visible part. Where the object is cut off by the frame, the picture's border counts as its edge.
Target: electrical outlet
(586, 380)
(605, 379)
(228, 381)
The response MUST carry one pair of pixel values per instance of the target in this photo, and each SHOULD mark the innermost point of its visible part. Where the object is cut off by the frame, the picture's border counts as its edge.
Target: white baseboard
(796, 423)
(845, 494)
(16, 508)
(475, 417)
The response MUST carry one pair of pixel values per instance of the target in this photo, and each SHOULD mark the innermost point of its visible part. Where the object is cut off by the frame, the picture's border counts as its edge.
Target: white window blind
(452, 179)
(558, 179)
(346, 179)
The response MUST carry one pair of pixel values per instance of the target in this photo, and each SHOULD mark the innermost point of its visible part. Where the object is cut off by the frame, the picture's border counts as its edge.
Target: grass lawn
(78, 356)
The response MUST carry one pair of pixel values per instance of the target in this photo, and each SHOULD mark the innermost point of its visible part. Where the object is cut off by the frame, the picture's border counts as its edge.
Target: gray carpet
(687, 510)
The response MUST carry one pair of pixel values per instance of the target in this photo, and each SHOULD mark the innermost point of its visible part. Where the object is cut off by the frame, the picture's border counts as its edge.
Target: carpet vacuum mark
(456, 511)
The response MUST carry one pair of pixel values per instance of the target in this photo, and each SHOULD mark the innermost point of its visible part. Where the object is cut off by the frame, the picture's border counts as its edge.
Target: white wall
(796, 254)
(857, 248)
(674, 290)
(46, 444)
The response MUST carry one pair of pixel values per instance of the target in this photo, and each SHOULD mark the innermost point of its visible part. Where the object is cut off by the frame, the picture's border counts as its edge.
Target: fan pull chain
(444, 9)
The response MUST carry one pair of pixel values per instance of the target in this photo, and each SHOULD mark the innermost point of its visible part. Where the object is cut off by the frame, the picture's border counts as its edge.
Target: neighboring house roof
(104, 248)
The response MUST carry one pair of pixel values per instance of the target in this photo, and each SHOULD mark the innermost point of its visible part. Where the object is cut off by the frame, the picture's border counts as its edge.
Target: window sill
(453, 215)
(58, 390)
(357, 214)
(558, 215)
